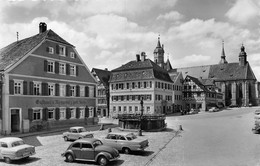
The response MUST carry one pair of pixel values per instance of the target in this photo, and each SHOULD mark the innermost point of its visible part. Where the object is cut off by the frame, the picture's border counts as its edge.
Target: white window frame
(82, 112)
(62, 90)
(62, 111)
(51, 109)
(62, 68)
(62, 50)
(82, 91)
(50, 66)
(72, 112)
(91, 112)
(36, 111)
(72, 54)
(37, 87)
(18, 87)
(51, 50)
(73, 90)
(73, 70)
(51, 89)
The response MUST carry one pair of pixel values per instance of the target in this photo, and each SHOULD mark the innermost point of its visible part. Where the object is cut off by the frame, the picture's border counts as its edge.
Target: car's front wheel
(69, 158)
(126, 150)
(66, 138)
(7, 160)
(102, 160)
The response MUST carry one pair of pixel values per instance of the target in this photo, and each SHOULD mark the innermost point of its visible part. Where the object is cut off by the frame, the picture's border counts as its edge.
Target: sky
(109, 33)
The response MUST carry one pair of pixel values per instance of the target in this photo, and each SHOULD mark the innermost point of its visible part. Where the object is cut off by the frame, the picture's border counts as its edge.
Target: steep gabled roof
(158, 72)
(103, 75)
(15, 51)
(197, 82)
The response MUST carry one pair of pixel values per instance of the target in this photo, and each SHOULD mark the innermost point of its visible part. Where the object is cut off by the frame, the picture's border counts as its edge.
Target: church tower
(223, 56)
(159, 54)
(242, 56)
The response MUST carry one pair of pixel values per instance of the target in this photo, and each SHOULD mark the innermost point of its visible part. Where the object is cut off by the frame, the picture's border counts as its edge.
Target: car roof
(76, 127)
(87, 140)
(121, 133)
(10, 139)
(257, 111)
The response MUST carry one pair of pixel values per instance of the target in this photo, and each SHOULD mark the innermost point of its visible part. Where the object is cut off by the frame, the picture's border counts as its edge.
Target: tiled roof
(174, 76)
(158, 72)
(197, 82)
(219, 72)
(15, 51)
(103, 75)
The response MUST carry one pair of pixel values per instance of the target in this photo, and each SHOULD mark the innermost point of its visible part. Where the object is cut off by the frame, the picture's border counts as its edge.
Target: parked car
(14, 148)
(77, 132)
(125, 142)
(90, 149)
(213, 109)
(256, 128)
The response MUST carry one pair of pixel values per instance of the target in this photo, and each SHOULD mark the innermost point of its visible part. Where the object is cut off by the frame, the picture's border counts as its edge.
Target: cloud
(191, 60)
(244, 10)
(173, 15)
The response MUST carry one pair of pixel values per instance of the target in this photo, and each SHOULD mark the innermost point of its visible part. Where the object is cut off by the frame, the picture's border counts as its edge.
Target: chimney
(106, 69)
(42, 27)
(143, 56)
(137, 57)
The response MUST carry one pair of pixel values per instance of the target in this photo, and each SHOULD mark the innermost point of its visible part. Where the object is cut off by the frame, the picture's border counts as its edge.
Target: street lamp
(141, 115)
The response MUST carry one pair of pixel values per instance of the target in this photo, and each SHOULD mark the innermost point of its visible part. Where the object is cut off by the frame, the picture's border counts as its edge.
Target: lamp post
(141, 115)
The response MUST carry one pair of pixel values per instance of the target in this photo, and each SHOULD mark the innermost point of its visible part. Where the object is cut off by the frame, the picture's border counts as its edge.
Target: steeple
(223, 56)
(158, 43)
(242, 56)
(159, 53)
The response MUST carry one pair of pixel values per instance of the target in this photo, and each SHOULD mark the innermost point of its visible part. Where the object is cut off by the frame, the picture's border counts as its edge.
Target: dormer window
(62, 50)
(72, 54)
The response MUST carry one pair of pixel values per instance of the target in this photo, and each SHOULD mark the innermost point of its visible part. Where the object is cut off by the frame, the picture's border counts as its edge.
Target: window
(37, 88)
(62, 50)
(86, 145)
(82, 113)
(114, 108)
(72, 54)
(51, 89)
(73, 112)
(62, 113)
(51, 113)
(136, 108)
(119, 108)
(72, 70)
(130, 108)
(148, 109)
(62, 89)
(91, 112)
(82, 91)
(3, 145)
(62, 68)
(73, 90)
(76, 146)
(50, 67)
(51, 50)
(124, 108)
(18, 84)
(37, 114)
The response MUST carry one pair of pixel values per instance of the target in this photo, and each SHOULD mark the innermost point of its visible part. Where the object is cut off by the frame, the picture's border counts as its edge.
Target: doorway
(15, 120)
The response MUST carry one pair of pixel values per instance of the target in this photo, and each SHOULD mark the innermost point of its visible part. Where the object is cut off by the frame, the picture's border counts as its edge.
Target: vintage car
(213, 109)
(90, 149)
(13, 148)
(75, 133)
(256, 128)
(125, 142)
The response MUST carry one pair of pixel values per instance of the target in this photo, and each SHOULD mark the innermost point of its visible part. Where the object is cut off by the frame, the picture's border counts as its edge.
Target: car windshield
(97, 143)
(17, 143)
(130, 137)
(82, 130)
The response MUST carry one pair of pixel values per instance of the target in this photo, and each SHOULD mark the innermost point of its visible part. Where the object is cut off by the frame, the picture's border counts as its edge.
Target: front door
(15, 120)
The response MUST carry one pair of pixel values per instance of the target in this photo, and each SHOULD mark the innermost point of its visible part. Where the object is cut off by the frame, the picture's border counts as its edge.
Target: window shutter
(77, 90)
(57, 89)
(30, 114)
(94, 91)
(44, 89)
(47, 49)
(75, 55)
(31, 88)
(57, 113)
(57, 67)
(25, 88)
(45, 65)
(68, 90)
(77, 71)
(77, 113)
(67, 69)
(95, 113)
(68, 113)
(86, 91)
(11, 87)
(66, 51)
(86, 112)
(44, 114)
(57, 49)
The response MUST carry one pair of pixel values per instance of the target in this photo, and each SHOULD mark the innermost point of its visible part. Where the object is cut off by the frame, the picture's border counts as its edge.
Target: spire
(223, 56)
(159, 44)
(242, 56)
